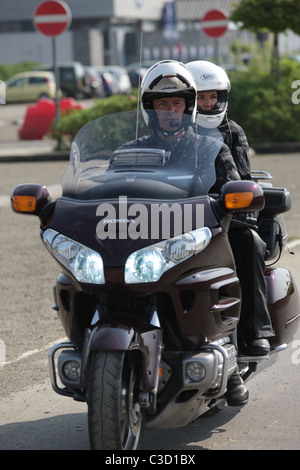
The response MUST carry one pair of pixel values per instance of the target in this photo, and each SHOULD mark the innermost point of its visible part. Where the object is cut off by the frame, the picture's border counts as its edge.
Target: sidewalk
(31, 150)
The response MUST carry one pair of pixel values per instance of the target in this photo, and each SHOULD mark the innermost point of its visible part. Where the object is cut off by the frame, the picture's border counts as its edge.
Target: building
(109, 32)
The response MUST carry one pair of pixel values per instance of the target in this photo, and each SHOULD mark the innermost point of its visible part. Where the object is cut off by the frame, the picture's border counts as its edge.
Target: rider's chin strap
(170, 133)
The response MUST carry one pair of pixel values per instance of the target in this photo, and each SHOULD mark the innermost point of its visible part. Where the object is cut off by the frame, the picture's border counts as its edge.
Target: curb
(63, 155)
(277, 147)
(39, 157)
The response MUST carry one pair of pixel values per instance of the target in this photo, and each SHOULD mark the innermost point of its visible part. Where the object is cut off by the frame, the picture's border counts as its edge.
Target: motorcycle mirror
(30, 198)
(242, 196)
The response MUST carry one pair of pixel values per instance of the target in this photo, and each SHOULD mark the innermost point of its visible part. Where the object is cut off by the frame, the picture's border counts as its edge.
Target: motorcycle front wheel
(115, 418)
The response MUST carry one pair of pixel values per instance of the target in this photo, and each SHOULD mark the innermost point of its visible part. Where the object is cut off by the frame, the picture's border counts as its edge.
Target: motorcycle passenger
(249, 249)
(169, 88)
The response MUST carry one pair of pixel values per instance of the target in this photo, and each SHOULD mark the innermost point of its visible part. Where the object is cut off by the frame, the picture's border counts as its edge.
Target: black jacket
(235, 137)
(180, 154)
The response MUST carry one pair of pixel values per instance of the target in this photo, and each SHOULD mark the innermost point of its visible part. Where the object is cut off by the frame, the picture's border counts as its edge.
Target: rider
(168, 96)
(249, 249)
(169, 89)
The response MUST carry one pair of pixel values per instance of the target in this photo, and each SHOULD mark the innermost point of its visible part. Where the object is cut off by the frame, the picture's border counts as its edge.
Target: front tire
(114, 414)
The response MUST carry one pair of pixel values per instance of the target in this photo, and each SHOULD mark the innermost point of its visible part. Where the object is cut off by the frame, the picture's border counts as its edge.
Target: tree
(274, 15)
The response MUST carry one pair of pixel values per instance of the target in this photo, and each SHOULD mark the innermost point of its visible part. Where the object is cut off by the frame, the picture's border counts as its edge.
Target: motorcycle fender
(128, 335)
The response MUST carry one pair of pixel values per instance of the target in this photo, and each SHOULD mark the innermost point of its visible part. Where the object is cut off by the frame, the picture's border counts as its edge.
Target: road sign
(170, 29)
(214, 23)
(52, 17)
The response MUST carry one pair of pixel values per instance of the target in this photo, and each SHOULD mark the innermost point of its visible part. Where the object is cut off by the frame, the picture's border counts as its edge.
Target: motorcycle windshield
(118, 155)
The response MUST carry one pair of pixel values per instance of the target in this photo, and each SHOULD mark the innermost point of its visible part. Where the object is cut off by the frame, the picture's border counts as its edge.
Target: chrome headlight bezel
(150, 263)
(85, 264)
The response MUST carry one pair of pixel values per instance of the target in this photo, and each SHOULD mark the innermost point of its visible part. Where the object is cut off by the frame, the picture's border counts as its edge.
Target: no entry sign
(52, 17)
(214, 23)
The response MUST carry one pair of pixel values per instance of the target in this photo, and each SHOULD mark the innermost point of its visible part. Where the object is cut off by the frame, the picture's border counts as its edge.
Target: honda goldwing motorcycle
(148, 294)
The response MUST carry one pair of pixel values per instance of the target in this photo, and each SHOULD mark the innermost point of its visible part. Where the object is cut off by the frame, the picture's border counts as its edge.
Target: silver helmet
(168, 78)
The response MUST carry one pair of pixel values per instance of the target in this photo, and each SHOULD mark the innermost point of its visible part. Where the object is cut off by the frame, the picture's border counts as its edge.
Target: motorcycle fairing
(80, 222)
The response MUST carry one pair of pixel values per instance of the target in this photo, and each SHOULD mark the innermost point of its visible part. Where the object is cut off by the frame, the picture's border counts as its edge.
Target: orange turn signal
(24, 203)
(238, 200)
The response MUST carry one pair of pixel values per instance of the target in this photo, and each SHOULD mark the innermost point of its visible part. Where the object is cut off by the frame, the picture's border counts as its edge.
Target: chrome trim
(260, 175)
(265, 357)
(51, 360)
(224, 378)
(278, 349)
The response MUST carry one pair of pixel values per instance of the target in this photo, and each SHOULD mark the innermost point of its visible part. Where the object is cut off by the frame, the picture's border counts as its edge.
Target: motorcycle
(147, 292)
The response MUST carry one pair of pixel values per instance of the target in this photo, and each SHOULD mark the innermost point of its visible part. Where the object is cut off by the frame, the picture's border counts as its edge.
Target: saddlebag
(271, 226)
(283, 304)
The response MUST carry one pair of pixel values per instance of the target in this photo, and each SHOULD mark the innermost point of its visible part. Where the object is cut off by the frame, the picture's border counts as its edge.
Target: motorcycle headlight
(83, 262)
(148, 264)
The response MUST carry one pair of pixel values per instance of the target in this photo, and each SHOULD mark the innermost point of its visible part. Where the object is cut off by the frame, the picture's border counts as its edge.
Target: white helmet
(210, 77)
(168, 78)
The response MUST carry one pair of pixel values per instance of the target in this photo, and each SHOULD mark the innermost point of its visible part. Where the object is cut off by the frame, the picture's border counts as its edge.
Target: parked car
(295, 57)
(72, 79)
(145, 64)
(108, 81)
(95, 83)
(30, 86)
(120, 76)
(136, 75)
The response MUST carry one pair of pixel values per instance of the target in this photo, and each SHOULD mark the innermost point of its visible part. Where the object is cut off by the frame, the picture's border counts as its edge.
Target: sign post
(214, 25)
(52, 18)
